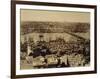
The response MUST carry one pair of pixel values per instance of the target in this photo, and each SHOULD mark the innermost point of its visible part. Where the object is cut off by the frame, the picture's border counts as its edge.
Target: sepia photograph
(54, 39)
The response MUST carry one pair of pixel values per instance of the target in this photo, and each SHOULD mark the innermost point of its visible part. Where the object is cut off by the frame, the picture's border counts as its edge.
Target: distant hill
(54, 27)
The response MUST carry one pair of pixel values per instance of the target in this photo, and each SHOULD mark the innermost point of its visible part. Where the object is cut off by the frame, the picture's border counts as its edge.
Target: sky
(58, 16)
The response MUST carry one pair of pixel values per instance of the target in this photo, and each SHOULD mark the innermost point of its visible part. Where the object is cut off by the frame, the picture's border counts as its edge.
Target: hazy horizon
(54, 16)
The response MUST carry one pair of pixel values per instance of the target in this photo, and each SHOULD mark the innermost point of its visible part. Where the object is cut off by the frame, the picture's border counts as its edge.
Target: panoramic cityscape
(54, 44)
(54, 39)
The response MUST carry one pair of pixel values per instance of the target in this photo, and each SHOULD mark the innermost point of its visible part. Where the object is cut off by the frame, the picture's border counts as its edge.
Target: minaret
(28, 46)
(28, 49)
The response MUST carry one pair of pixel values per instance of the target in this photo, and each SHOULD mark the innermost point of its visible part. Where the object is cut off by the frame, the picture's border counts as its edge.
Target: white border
(53, 70)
